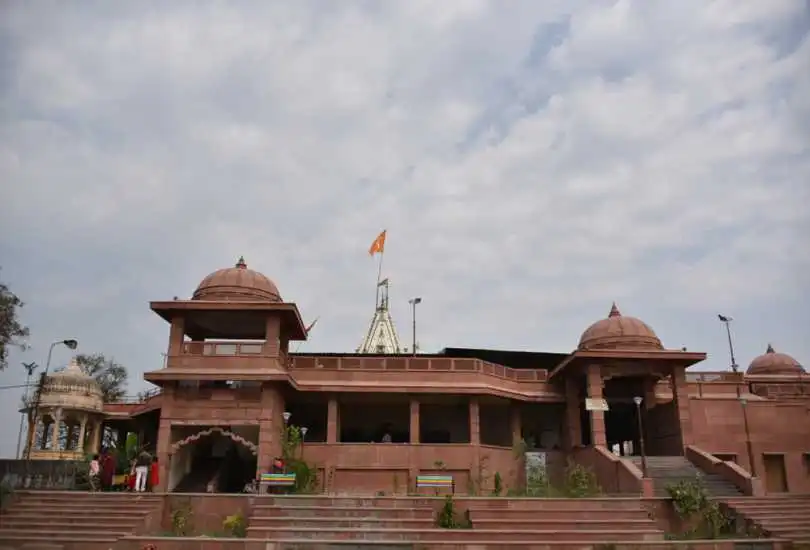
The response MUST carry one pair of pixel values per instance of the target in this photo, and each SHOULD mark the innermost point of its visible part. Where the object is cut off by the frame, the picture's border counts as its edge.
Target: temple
(621, 403)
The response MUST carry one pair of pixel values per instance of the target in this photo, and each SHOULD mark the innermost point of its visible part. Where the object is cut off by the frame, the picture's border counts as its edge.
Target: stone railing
(227, 349)
(729, 471)
(41, 474)
(393, 363)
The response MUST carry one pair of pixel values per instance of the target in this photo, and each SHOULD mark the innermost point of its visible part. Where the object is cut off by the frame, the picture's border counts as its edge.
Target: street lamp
(637, 400)
(304, 431)
(286, 416)
(726, 320)
(752, 465)
(29, 372)
(414, 302)
(70, 343)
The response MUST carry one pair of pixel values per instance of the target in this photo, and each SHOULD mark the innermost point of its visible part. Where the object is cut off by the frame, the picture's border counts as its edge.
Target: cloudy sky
(532, 162)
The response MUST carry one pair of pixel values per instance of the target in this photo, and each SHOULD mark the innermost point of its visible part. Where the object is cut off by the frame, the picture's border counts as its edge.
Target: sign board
(596, 405)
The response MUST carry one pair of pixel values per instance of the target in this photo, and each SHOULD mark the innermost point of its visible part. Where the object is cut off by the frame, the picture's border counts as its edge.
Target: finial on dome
(614, 311)
(241, 263)
(770, 349)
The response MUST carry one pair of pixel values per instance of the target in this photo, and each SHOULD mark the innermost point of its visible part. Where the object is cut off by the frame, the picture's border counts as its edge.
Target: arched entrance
(214, 459)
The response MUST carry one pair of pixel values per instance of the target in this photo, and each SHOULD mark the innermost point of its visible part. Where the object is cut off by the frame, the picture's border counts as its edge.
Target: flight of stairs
(666, 470)
(298, 522)
(781, 516)
(72, 519)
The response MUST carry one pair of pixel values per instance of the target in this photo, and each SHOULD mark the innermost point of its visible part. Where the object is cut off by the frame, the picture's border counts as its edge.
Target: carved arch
(236, 438)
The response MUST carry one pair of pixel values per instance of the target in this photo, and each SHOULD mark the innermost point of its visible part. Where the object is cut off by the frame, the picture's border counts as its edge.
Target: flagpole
(379, 278)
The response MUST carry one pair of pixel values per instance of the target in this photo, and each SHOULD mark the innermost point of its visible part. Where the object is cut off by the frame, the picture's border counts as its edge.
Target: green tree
(12, 332)
(110, 375)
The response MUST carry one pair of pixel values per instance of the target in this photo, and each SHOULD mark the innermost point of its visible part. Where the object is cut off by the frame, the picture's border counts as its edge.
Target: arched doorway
(214, 459)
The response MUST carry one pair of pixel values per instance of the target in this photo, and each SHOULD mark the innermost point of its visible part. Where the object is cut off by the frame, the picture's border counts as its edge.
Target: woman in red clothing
(131, 478)
(153, 474)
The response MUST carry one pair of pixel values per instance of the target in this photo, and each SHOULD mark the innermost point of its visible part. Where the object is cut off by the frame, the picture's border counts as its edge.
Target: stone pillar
(163, 451)
(82, 431)
(271, 426)
(415, 422)
(98, 433)
(475, 441)
(595, 386)
(475, 421)
(57, 423)
(414, 453)
(515, 424)
(680, 400)
(573, 419)
(177, 334)
(332, 420)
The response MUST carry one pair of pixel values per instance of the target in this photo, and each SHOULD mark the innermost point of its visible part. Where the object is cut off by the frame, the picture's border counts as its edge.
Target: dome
(772, 362)
(72, 388)
(619, 332)
(237, 284)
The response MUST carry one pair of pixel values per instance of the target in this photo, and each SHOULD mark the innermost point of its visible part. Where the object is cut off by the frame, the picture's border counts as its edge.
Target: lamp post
(29, 372)
(637, 400)
(70, 343)
(726, 320)
(304, 431)
(414, 302)
(752, 465)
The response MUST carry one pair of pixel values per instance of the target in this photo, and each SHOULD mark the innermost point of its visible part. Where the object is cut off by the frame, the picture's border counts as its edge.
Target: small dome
(71, 388)
(772, 362)
(619, 332)
(237, 284)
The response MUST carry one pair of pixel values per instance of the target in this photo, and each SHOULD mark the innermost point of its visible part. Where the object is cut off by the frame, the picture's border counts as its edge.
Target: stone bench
(436, 482)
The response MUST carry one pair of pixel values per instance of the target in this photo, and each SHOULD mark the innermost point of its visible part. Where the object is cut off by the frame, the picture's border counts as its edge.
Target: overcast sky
(532, 162)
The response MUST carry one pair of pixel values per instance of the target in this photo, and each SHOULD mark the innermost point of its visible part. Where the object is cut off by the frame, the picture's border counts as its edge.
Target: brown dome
(772, 362)
(237, 284)
(619, 332)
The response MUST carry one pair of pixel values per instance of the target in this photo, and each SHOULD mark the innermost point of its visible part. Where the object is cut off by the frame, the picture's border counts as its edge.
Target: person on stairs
(142, 463)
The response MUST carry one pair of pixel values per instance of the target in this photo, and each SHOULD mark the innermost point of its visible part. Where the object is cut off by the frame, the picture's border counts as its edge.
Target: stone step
(560, 515)
(457, 535)
(773, 507)
(261, 511)
(342, 523)
(61, 524)
(11, 535)
(315, 544)
(547, 504)
(75, 513)
(495, 503)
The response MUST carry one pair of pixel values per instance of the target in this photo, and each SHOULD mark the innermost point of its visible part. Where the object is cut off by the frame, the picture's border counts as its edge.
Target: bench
(436, 482)
(277, 480)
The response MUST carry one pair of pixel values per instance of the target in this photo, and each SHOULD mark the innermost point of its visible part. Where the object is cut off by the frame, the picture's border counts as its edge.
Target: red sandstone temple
(377, 419)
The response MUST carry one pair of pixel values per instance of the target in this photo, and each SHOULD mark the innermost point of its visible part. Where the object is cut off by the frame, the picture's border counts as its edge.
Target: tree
(12, 332)
(111, 376)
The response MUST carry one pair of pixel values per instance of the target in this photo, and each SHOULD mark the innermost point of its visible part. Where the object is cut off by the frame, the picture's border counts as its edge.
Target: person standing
(153, 475)
(142, 463)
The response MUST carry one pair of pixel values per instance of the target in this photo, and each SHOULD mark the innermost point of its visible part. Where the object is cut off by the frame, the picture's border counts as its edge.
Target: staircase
(73, 519)
(783, 516)
(665, 470)
(298, 522)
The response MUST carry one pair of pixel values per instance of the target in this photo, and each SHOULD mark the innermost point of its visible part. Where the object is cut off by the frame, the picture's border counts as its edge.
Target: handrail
(395, 363)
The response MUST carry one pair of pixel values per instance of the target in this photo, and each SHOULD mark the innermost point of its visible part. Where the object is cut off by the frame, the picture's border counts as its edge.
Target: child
(95, 471)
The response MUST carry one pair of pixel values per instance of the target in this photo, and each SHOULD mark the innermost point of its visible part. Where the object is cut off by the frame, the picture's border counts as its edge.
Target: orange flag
(378, 245)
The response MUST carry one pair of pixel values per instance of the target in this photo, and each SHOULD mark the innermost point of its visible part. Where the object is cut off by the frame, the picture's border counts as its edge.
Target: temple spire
(614, 311)
(770, 349)
(240, 264)
(382, 335)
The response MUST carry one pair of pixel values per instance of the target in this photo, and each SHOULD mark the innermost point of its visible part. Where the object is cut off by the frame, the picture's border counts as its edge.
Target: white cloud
(532, 163)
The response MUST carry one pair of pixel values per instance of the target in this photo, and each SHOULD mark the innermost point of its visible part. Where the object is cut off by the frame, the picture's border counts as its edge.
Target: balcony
(223, 360)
